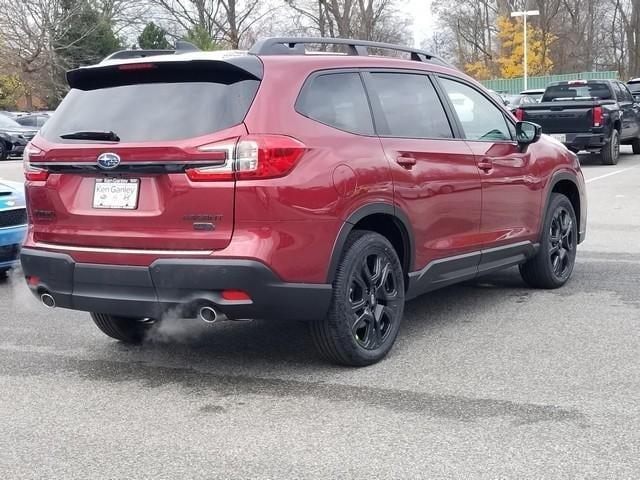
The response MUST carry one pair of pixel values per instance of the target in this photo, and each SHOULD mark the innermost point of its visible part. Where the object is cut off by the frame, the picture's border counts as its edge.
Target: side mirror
(527, 133)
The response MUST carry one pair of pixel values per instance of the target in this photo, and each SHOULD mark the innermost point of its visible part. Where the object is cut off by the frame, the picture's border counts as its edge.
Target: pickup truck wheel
(127, 330)
(635, 145)
(553, 264)
(367, 303)
(611, 151)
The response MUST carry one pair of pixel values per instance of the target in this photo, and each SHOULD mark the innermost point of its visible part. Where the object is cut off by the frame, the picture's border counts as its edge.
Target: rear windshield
(154, 110)
(634, 87)
(595, 91)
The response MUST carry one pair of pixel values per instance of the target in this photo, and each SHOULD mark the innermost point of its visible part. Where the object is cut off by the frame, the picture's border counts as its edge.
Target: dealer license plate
(120, 193)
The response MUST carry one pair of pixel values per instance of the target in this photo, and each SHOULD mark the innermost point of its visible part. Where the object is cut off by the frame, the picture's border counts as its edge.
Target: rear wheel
(553, 264)
(4, 151)
(367, 303)
(611, 151)
(128, 330)
(635, 145)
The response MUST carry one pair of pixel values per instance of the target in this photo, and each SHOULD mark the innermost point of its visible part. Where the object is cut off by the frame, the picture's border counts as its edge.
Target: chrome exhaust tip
(208, 315)
(47, 300)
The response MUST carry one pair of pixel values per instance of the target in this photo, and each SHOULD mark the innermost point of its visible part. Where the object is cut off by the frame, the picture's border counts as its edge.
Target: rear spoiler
(166, 70)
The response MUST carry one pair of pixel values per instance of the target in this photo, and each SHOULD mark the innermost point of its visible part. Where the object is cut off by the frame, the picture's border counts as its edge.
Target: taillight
(520, 114)
(597, 116)
(266, 156)
(251, 157)
(31, 173)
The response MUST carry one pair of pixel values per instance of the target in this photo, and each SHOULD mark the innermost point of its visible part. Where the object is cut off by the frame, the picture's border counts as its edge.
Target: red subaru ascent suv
(277, 183)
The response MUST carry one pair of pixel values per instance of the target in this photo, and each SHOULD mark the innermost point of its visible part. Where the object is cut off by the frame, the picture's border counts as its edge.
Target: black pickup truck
(592, 115)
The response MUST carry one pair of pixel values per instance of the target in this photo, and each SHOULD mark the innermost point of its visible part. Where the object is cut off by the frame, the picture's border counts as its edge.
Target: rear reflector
(236, 295)
(33, 281)
(597, 116)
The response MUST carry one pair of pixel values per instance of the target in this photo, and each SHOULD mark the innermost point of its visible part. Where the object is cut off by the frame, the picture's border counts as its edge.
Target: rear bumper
(586, 141)
(179, 286)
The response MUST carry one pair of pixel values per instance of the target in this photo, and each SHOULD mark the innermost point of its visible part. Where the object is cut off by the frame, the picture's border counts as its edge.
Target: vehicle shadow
(263, 345)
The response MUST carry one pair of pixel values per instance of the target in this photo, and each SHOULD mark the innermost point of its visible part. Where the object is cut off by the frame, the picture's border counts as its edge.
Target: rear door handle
(485, 164)
(406, 161)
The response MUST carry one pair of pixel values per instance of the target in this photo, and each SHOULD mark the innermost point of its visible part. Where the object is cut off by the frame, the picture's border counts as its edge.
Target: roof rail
(181, 47)
(295, 46)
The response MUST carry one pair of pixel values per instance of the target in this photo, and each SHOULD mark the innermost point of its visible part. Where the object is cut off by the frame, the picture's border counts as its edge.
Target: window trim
(509, 119)
(332, 71)
(380, 118)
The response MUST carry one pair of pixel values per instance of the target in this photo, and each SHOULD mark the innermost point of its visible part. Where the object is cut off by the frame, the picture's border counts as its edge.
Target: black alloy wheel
(367, 303)
(561, 243)
(374, 300)
(553, 265)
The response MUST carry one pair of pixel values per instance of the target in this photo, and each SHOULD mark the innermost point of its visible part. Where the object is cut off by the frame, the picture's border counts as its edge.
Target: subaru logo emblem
(108, 161)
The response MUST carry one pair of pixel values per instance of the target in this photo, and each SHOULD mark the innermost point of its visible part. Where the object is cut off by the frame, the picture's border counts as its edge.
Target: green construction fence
(516, 85)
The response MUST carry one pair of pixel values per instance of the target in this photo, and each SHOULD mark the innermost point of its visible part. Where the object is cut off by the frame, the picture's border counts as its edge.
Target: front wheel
(367, 303)
(127, 330)
(611, 151)
(553, 264)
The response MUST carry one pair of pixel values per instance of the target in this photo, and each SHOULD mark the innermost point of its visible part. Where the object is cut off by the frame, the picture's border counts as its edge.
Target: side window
(337, 100)
(618, 91)
(626, 93)
(411, 106)
(480, 118)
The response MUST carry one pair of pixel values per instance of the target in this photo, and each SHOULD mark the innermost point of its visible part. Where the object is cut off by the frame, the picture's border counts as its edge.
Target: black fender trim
(362, 212)
(555, 179)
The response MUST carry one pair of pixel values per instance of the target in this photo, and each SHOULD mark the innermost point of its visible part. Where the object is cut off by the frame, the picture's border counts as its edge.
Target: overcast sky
(420, 12)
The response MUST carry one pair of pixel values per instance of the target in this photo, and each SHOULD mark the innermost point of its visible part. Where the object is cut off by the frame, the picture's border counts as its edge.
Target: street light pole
(524, 14)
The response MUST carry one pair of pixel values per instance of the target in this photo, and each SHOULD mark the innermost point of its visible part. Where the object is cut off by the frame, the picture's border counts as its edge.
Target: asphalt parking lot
(488, 379)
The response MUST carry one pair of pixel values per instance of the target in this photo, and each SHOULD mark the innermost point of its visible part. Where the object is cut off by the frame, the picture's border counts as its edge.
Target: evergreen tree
(201, 38)
(153, 37)
(86, 38)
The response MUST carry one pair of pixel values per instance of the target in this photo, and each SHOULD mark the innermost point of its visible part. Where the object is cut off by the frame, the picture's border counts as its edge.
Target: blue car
(13, 223)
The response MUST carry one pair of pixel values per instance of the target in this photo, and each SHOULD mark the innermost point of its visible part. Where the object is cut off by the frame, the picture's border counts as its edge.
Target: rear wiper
(91, 135)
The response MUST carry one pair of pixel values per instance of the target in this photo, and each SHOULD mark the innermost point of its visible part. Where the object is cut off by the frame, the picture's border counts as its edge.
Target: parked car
(13, 137)
(13, 223)
(535, 93)
(514, 101)
(10, 114)
(501, 99)
(634, 87)
(592, 115)
(329, 188)
(34, 120)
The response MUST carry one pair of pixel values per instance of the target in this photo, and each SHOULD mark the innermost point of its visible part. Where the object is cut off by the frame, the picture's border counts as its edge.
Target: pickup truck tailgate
(561, 117)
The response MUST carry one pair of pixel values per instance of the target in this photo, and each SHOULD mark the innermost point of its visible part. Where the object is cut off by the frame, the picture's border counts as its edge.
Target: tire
(127, 330)
(611, 151)
(4, 151)
(635, 145)
(553, 264)
(363, 322)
